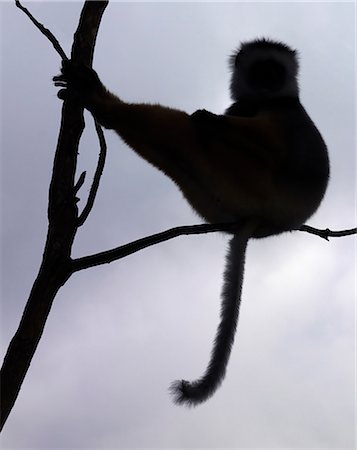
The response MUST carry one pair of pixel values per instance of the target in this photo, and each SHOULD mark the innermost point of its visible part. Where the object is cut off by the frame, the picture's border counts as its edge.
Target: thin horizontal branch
(135, 246)
(43, 30)
(326, 234)
(114, 254)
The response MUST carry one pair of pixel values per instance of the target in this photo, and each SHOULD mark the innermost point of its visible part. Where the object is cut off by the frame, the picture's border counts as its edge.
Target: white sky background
(118, 334)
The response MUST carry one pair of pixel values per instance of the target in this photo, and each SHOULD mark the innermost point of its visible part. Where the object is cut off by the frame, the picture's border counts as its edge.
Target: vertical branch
(63, 222)
(97, 175)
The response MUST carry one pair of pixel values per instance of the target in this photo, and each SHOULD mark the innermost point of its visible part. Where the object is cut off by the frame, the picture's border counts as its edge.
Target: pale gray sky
(119, 334)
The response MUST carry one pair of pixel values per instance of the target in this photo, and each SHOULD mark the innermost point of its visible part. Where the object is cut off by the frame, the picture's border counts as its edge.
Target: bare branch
(62, 212)
(325, 234)
(133, 247)
(97, 176)
(43, 30)
(109, 256)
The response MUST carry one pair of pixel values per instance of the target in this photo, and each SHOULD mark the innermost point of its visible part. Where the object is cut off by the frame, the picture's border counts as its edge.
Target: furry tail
(191, 393)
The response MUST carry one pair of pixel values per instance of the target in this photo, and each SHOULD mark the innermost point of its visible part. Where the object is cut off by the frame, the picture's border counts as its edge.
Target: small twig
(80, 182)
(97, 176)
(325, 234)
(44, 31)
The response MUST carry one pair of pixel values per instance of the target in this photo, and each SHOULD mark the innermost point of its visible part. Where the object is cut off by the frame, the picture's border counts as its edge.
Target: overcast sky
(118, 334)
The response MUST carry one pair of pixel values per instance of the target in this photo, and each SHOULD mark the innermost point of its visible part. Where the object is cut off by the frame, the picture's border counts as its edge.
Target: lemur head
(264, 69)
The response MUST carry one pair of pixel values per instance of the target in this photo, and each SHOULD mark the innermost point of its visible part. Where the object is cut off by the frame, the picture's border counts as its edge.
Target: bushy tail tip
(190, 393)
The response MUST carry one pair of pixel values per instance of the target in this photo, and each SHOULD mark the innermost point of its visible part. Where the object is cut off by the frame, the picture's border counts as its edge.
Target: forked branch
(62, 214)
